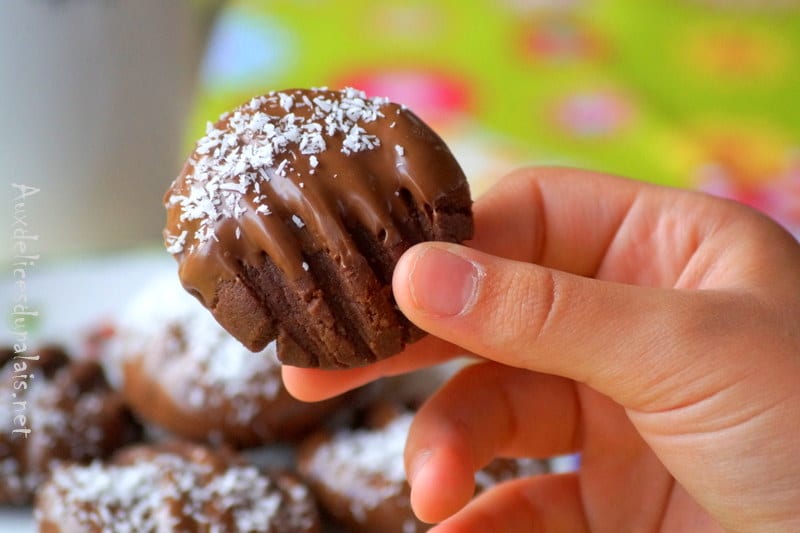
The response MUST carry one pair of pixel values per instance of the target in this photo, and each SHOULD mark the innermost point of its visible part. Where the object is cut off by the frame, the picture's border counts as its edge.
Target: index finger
(558, 217)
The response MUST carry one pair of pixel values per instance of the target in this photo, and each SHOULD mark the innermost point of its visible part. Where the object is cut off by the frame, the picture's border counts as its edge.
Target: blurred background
(102, 99)
(700, 94)
(688, 93)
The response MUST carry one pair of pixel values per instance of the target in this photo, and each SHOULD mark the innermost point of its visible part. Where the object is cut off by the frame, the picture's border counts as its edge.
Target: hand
(655, 331)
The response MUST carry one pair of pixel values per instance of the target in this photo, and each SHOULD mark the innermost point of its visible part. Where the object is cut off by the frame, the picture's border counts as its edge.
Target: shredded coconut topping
(160, 493)
(71, 418)
(230, 161)
(365, 465)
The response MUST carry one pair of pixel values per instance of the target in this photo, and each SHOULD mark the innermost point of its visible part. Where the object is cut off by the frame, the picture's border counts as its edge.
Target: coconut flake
(281, 170)
(286, 101)
(176, 243)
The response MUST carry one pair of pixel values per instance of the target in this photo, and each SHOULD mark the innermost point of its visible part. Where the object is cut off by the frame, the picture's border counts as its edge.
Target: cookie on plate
(178, 369)
(359, 478)
(54, 409)
(177, 487)
(290, 215)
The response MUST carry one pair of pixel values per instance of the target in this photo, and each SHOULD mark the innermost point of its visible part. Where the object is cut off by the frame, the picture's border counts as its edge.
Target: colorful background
(698, 94)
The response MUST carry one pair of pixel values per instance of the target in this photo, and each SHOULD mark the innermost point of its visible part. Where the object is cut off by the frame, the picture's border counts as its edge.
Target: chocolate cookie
(289, 218)
(181, 371)
(174, 487)
(359, 478)
(54, 409)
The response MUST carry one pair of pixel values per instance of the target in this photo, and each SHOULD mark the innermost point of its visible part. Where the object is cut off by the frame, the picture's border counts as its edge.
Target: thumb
(622, 340)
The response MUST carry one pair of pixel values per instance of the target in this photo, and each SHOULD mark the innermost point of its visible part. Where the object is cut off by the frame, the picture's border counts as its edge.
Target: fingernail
(417, 465)
(444, 283)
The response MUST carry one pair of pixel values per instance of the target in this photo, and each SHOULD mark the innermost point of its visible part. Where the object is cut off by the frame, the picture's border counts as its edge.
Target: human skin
(655, 331)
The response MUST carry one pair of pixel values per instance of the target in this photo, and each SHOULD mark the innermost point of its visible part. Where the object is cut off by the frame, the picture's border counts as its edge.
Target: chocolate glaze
(321, 203)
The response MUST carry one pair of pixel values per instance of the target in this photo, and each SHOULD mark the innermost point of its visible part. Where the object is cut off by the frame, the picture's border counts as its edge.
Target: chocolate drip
(331, 222)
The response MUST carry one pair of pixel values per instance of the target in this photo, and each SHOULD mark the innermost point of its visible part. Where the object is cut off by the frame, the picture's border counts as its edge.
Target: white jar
(93, 99)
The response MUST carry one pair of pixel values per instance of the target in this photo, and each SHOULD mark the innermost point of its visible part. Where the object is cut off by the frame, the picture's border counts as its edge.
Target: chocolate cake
(180, 370)
(359, 478)
(290, 215)
(174, 487)
(65, 411)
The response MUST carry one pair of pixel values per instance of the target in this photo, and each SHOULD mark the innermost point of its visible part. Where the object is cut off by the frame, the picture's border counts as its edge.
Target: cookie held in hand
(288, 219)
